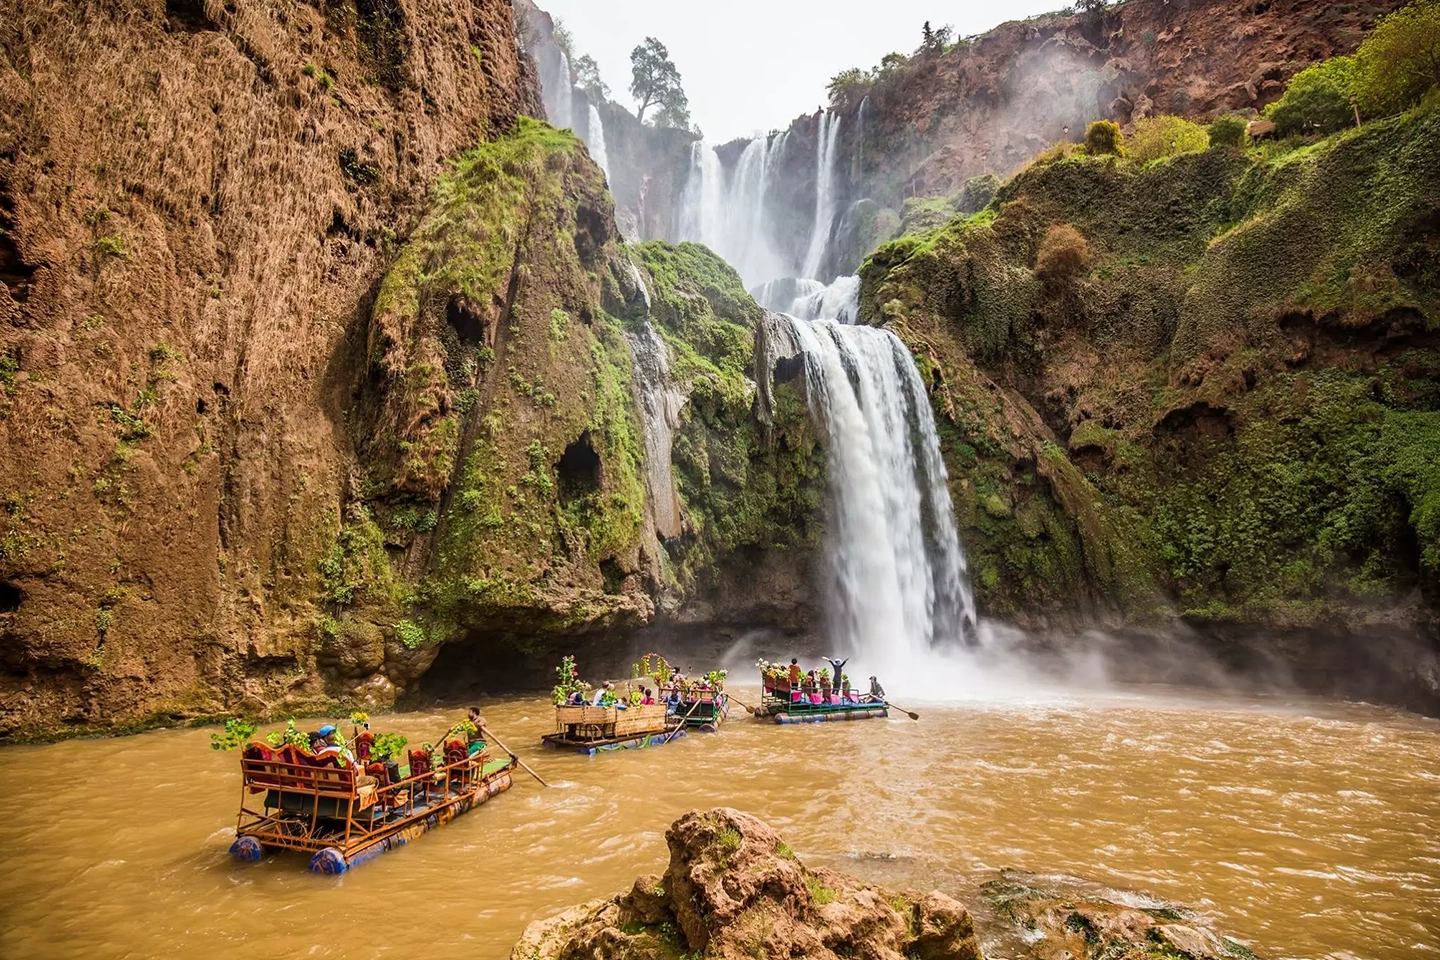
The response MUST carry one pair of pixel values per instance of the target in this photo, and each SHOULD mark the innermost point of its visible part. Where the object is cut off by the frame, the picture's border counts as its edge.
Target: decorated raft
(591, 729)
(705, 710)
(344, 816)
(787, 703)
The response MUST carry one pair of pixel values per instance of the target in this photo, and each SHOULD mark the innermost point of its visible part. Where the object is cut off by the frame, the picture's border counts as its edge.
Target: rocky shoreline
(734, 889)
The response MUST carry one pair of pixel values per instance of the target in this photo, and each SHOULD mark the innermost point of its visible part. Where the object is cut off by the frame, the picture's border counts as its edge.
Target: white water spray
(556, 89)
(824, 193)
(660, 406)
(595, 140)
(899, 584)
(839, 302)
(729, 213)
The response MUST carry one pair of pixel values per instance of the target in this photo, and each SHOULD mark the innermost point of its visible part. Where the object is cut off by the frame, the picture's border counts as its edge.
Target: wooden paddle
(908, 713)
(523, 764)
(742, 703)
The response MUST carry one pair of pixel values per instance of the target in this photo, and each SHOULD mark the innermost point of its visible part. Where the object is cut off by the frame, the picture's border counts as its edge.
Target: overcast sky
(755, 65)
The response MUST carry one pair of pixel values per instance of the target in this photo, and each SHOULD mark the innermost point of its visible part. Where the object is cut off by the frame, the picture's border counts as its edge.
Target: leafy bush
(1064, 254)
(1228, 131)
(1317, 99)
(1399, 63)
(410, 633)
(1104, 137)
(1156, 138)
(977, 193)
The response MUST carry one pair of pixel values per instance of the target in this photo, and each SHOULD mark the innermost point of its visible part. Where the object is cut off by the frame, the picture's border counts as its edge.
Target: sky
(751, 66)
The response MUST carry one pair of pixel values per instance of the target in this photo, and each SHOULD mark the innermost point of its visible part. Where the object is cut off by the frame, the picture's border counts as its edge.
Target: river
(1306, 829)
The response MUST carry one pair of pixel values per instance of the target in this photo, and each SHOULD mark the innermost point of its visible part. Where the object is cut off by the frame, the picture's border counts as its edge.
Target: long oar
(683, 722)
(742, 703)
(909, 713)
(523, 764)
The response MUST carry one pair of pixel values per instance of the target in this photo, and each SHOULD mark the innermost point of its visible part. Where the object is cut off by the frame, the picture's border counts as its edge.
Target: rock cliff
(1205, 385)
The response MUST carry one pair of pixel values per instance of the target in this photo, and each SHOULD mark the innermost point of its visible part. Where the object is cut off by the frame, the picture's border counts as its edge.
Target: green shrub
(1399, 63)
(1156, 138)
(1317, 99)
(977, 193)
(1104, 137)
(1228, 131)
(1064, 254)
(410, 633)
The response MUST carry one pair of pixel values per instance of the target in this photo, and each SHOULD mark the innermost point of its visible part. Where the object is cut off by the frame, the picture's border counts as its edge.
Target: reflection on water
(1306, 829)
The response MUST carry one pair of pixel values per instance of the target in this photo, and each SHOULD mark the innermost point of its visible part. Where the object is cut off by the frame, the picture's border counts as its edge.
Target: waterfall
(898, 573)
(660, 406)
(595, 140)
(729, 214)
(824, 192)
(840, 301)
(556, 88)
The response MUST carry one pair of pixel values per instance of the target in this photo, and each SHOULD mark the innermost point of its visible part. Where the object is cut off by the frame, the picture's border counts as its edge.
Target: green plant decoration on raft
(236, 733)
(568, 680)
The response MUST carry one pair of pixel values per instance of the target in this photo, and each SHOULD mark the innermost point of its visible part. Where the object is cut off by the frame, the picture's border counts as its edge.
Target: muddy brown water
(1305, 829)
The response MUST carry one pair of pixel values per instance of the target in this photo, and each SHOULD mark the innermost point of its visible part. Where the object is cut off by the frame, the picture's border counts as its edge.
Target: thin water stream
(1304, 828)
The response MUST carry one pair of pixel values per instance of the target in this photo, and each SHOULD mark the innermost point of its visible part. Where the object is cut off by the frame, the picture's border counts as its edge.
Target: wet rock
(734, 889)
(1062, 918)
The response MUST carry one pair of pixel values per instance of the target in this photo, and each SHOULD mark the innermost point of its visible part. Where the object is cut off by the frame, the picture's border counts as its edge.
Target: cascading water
(898, 573)
(660, 406)
(729, 214)
(824, 193)
(595, 140)
(557, 89)
(840, 302)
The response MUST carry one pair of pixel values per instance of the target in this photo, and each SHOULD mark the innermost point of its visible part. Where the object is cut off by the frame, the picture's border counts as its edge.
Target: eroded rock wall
(197, 200)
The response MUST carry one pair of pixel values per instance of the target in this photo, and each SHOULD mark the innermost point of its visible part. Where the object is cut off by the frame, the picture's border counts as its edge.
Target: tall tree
(654, 80)
(587, 78)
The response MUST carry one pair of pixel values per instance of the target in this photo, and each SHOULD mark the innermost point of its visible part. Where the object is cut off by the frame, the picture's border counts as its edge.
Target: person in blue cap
(329, 747)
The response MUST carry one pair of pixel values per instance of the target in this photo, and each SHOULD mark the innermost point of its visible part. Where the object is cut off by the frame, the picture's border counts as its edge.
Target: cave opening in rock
(614, 575)
(15, 273)
(11, 597)
(578, 469)
(468, 325)
(189, 15)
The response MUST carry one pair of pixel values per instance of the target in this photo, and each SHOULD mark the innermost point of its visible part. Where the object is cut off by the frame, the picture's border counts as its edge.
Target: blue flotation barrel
(330, 861)
(247, 849)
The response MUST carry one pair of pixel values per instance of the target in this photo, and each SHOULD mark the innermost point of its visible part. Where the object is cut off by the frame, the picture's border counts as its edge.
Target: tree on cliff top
(1400, 61)
(656, 81)
(587, 78)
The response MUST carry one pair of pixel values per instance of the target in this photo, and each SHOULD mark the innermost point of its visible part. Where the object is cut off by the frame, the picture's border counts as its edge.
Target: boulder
(735, 890)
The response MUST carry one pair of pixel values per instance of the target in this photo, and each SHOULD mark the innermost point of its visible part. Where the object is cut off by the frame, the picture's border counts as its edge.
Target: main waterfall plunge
(897, 576)
(896, 588)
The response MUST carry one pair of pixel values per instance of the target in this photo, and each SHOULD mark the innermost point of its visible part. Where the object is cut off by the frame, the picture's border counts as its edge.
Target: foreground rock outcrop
(734, 889)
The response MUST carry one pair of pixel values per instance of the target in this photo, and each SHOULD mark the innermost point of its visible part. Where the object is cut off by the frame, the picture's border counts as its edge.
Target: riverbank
(1299, 827)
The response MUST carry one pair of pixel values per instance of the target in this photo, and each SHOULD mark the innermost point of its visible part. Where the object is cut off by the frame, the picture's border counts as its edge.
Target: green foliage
(656, 82)
(1064, 254)
(559, 324)
(1103, 138)
(1156, 138)
(104, 620)
(783, 850)
(1399, 62)
(390, 746)
(320, 75)
(848, 87)
(9, 366)
(729, 839)
(111, 246)
(820, 894)
(356, 567)
(1317, 100)
(291, 735)
(236, 733)
(1228, 131)
(587, 78)
(410, 634)
(567, 681)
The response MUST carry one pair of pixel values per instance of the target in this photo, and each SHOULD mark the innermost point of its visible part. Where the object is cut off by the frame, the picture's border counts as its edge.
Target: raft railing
(344, 788)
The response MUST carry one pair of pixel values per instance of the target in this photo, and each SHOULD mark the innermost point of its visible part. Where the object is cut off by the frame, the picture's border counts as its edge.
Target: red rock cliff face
(196, 199)
(990, 105)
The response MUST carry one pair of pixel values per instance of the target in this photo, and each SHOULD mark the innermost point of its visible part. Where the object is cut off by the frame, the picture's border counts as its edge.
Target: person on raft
(323, 744)
(475, 739)
(795, 672)
(877, 692)
(837, 669)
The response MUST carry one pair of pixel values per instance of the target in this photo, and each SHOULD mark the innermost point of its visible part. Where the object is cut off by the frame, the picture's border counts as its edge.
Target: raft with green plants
(618, 717)
(788, 698)
(348, 802)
